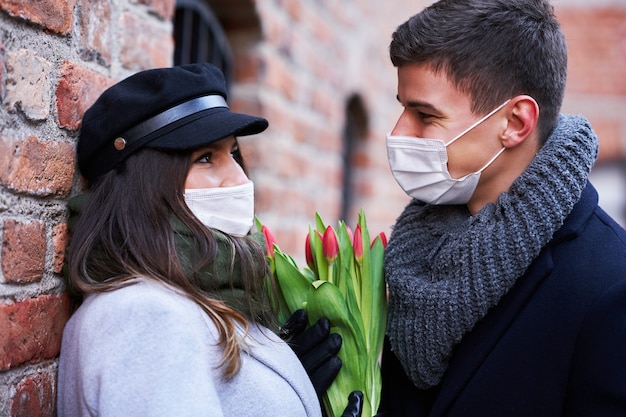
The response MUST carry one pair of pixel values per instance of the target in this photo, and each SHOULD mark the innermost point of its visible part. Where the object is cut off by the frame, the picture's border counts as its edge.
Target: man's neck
(498, 178)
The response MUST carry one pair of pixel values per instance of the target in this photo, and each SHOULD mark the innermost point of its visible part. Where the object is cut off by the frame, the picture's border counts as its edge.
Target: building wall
(596, 87)
(297, 63)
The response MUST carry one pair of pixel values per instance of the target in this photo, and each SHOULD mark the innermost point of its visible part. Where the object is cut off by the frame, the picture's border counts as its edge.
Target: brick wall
(56, 57)
(596, 36)
(596, 87)
(298, 63)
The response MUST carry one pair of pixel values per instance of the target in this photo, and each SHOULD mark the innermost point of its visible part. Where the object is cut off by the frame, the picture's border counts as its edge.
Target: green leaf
(327, 301)
(319, 223)
(294, 285)
(321, 264)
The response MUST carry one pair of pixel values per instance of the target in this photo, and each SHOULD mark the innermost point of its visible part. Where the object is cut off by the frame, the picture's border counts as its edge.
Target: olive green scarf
(220, 279)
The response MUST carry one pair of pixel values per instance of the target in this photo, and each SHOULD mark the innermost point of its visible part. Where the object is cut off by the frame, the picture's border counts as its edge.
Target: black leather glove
(316, 348)
(355, 405)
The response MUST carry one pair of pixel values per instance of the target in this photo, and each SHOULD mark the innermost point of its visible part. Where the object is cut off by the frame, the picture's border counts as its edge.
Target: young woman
(173, 318)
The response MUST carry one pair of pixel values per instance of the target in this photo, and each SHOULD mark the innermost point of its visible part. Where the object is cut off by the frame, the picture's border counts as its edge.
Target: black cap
(177, 108)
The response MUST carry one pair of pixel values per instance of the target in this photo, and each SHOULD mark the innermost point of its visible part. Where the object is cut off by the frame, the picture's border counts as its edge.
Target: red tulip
(270, 241)
(383, 239)
(309, 253)
(349, 232)
(330, 247)
(357, 244)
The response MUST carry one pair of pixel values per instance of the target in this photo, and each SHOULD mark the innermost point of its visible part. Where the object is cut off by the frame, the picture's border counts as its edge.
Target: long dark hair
(125, 231)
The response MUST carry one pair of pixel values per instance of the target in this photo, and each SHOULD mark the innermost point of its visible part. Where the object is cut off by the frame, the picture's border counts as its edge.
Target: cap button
(119, 143)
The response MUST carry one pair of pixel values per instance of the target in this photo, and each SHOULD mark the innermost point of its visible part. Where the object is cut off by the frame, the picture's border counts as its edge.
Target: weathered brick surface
(23, 251)
(52, 68)
(78, 88)
(28, 85)
(34, 397)
(94, 18)
(144, 45)
(2, 76)
(31, 329)
(162, 8)
(53, 15)
(36, 167)
(60, 239)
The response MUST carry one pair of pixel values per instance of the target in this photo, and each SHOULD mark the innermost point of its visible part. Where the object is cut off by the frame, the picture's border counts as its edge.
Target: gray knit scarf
(445, 269)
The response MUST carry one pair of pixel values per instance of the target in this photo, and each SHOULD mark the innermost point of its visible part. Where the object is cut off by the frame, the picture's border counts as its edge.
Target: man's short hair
(491, 50)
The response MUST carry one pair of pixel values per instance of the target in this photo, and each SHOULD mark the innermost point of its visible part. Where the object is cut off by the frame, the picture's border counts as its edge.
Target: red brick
(294, 9)
(597, 57)
(28, 85)
(77, 90)
(162, 8)
(144, 45)
(1, 72)
(33, 397)
(36, 167)
(248, 67)
(94, 18)
(281, 78)
(60, 237)
(32, 329)
(54, 15)
(23, 251)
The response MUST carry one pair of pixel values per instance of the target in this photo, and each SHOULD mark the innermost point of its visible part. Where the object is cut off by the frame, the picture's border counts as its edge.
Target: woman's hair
(491, 50)
(125, 231)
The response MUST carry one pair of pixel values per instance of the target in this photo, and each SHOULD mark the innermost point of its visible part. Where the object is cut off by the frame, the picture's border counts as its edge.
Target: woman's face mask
(228, 209)
(420, 166)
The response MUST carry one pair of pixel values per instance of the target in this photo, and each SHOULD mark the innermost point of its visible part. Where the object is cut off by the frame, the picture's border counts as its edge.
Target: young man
(507, 282)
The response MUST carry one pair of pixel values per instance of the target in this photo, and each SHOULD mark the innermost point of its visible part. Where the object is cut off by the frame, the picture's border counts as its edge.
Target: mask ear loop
(488, 115)
(492, 159)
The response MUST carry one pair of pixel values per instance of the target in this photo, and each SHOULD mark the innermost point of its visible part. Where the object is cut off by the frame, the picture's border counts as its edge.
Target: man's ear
(522, 115)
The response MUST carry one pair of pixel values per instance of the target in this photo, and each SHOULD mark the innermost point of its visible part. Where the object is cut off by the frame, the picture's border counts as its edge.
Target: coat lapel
(477, 344)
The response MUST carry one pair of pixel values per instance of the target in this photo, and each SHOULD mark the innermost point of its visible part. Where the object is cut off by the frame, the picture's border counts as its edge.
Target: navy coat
(555, 345)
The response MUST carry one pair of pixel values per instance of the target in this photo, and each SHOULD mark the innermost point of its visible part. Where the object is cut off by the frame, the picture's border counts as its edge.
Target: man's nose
(404, 126)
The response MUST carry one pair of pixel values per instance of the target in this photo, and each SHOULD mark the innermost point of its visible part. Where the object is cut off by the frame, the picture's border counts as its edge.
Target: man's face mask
(420, 166)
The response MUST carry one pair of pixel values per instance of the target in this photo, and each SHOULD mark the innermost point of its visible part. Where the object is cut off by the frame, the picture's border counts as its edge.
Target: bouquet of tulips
(344, 282)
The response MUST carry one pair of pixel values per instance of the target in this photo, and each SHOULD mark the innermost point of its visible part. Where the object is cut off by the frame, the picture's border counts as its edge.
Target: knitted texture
(445, 269)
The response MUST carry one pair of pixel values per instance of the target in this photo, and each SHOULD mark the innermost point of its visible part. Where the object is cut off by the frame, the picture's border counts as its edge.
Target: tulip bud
(383, 239)
(330, 247)
(270, 241)
(357, 245)
(349, 232)
(309, 253)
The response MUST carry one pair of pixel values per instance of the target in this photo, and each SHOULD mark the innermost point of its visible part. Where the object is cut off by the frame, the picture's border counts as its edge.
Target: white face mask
(228, 209)
(420, 166)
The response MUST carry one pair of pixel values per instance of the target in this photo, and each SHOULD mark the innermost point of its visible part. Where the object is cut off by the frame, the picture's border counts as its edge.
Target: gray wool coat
(145, 350)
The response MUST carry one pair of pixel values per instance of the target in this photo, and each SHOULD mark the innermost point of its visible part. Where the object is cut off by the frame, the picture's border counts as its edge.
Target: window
(355, 132)
(199, 37)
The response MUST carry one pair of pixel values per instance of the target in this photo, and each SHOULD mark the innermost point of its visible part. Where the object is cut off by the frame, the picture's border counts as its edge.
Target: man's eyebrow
(421, 104)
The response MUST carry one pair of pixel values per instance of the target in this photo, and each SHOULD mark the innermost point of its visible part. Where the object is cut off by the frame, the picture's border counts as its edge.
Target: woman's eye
(235, 151)
(205, 158)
